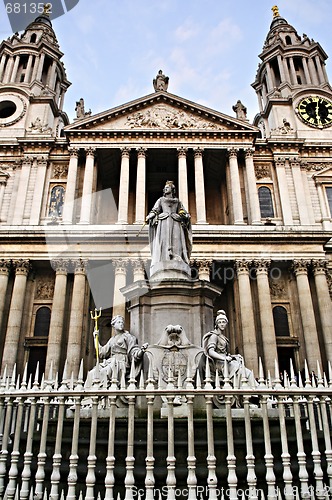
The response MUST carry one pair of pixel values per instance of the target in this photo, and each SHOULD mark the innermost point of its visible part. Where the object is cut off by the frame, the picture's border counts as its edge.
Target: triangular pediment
(321, 171)
(164, 112)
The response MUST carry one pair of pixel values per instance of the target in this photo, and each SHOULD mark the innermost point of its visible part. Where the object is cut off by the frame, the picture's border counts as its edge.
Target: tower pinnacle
(275, 11)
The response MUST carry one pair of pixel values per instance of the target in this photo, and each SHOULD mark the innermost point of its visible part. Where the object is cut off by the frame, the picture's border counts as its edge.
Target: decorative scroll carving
(61, 266)
(300, 266)
(45, 289)
(22, 266)
(319, 266)
(242, 266)
(316, 166)
(60, 171)
(261, 265)
(5, 266)
(262, 171)
(161, 116)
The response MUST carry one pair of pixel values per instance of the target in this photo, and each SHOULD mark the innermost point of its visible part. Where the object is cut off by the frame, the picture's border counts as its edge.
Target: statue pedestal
(155, 304)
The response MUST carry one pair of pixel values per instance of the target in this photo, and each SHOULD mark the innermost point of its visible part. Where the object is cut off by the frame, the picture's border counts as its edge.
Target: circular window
(7, 109)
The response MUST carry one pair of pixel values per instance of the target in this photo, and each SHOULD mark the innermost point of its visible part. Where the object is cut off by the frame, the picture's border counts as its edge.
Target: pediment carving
(165, 117)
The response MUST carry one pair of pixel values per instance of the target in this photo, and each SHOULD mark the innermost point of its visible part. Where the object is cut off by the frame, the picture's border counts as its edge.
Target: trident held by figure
(95, 316)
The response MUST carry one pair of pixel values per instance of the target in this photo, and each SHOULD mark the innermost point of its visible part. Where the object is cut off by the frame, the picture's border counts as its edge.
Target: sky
(208, 48)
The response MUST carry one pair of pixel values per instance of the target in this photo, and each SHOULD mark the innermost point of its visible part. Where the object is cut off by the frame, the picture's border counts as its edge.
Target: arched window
(280, 319)
(33, 38)
(265, 202)
(56, 201)
(42, 323)
(288, 40)
(328, 191)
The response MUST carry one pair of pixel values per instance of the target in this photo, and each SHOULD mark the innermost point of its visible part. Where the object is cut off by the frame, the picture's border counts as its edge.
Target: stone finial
(275, 11)
(80, 110)
(160, 82)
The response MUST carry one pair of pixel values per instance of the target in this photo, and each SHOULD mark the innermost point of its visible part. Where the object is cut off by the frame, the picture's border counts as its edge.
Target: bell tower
(291, 84)
(33, 82)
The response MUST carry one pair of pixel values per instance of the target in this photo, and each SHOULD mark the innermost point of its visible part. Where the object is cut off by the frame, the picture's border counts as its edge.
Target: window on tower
(328, 190)
(265, 202)
(280, 319)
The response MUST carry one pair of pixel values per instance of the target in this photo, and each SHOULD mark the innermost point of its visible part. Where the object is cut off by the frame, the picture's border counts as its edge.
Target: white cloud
(186, 31)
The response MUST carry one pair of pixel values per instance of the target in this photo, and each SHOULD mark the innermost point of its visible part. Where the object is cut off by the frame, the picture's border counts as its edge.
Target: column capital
(60, 266)
(242, 266)
(294, 161)
(182, 152)
(5, 266)
(79, 266)
(120, 266)
(73, 151)
(261, 266)
(204, 265)
(137, 263)
(232, 152)
(22, 266)
(319, 266)
(198, 152)
(249, 152)
(280, 161)
(300, 266)
(27, 161)
(90, 151)
(42, 161)
(125, 152)
(141, 152)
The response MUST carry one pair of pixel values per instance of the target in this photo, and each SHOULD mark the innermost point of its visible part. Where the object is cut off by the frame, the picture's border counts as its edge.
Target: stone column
(5, 266)
(265, 312)
(2, 64)
(15, 68)
(255, 212)
(183, 177)
(313, 72)
(76, 318)
(140, 186)
(22, 268)
(8, 70)
(119, 301)
(281, 68)
(300, 193)
(124, 187)
(269, 79)
(40, 66)
(52, 75)
(283, 191)
(306, 71)
(3, 184)
(247, 316)
(22, 192)
(87, 186)
(300, 269)
(38, 191)
(292, 71)
(138, 269)
(28, 70)
(69, 203)
(324, 304)
(199, 187)
(319, 69)
(58, 311)
(235, 186)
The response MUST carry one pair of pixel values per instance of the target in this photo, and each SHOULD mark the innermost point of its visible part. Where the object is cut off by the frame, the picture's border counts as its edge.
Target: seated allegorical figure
(116, 356)
(216, 348)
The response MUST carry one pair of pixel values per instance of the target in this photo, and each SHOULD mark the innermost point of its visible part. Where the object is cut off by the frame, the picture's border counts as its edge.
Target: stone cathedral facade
(74, 197)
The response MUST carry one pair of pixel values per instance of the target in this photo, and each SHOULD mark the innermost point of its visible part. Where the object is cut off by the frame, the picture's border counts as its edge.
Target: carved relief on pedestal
(262, 171)
(278, 288)
(60, 171)
(44, 289)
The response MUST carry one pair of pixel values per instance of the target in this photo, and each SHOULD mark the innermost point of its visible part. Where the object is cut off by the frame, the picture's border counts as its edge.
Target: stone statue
(240, 110)
(169, 233)
(160, 82)
(216, 348)
(116, 356)
(80, 111)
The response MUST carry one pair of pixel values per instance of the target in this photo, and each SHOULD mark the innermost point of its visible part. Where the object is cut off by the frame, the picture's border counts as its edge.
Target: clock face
(315, 111)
